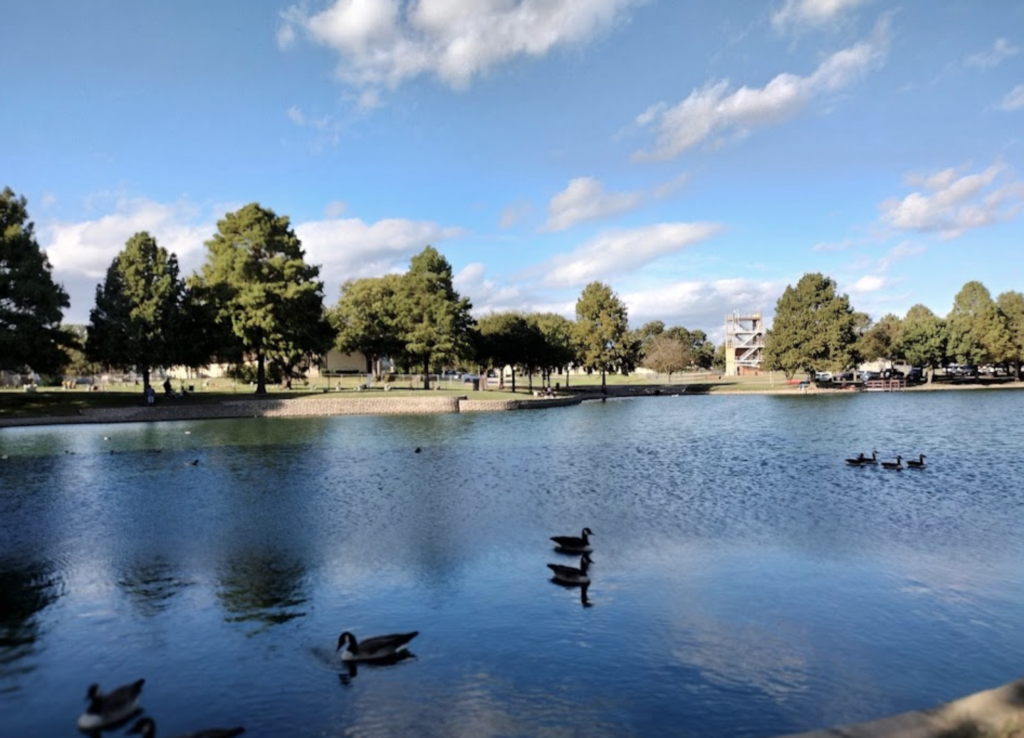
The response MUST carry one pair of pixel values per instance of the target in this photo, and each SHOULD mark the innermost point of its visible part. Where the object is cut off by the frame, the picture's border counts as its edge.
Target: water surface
(747, 581)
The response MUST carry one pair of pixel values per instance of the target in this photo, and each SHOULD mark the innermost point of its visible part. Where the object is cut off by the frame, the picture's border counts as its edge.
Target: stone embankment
(297, 407)
(994, 713)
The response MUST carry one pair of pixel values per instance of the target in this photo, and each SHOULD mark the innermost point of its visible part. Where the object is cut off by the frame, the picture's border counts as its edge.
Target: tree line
(256, 304)
(816, 329)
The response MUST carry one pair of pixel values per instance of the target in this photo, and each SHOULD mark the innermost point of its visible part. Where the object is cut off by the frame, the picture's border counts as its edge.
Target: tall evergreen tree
(922, 340)
(31, 303)
(1011, 306)
(257, 277)
(137, 318)
(435, 320)
(601, 334)
(813, 329)
(972, 325)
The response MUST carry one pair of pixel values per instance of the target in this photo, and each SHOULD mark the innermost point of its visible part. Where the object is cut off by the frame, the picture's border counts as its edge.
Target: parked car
(914, 374)
(822, 376)
(867, 375)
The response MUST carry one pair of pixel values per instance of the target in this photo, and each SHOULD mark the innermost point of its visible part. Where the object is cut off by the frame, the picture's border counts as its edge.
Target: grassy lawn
(55, 401)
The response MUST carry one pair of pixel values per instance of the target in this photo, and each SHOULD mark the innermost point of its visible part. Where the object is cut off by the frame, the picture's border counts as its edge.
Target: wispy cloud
(802, 13)
(1001, 51)
(950, 204)
(714, 112)
(383, 43)
(824, 247)
(621, 251)
(1014, 99)
(514, 214)
(904, 250)
(585, 199)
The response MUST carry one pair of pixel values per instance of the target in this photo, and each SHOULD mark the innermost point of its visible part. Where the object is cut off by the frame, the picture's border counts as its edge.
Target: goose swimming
(572, 574)
(377, 648)
(898, 464)
(146, 727)
(111, 708)
(918, 464)
(572, 544)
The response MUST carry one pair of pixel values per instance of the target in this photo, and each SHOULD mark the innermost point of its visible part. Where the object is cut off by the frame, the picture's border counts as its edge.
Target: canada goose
(572, 544)
(918, 464)
(893, 464)
(571, 574)
(857, 461)
(147, 729)
(376, 648)
(111, 708)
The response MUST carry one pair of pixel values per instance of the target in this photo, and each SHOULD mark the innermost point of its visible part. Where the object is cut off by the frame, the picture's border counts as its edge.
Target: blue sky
(698, 157)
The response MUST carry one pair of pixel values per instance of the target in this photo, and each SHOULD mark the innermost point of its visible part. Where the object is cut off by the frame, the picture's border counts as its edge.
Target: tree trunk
(604, 388)
(567, 377)
(929, 373)
(145, 380)
(513, 378)
(261, 374)
(426, 373)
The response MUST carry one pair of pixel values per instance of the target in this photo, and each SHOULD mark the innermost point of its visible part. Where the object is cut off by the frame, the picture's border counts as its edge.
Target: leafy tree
(602, 337)
(79, 364)
(645, 334)
(972, 325)
(814, 329)
(137, 318)
(668, 354)
(922, 340)
(435, 320)
(257, 277)
(504, 340)
(1011, 305)
(366, 319)
(718, 360)
(882, 340)
(31, 303)
(558, 351)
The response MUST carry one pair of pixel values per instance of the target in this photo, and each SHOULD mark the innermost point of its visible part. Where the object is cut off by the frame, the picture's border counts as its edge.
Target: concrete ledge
(998, 713)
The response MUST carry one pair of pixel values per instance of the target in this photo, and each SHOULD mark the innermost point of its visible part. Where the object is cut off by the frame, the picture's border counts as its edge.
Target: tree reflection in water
(26, 592)
(262, 589)
(150, 587)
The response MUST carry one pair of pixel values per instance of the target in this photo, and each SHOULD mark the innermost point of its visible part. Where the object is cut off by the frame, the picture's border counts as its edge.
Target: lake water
(746, 582)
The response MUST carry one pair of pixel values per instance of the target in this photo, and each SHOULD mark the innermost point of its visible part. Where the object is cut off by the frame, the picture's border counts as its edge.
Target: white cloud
(486, 294)
(1014, 99)
(703, 305)
(351, 249)
(952, 204)
(88, 247)
(615, 252)
(335, 208)
(1001, 51)
(797, 13)
(715, 111)
(584, 200)
(81, 252)
(383, 43)
(867, 283)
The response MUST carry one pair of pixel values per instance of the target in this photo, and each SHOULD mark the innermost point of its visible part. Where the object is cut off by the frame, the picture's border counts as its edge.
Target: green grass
(56, 402)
